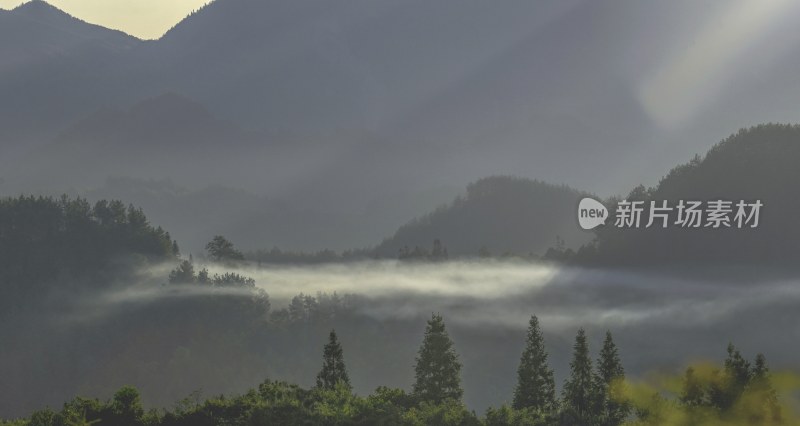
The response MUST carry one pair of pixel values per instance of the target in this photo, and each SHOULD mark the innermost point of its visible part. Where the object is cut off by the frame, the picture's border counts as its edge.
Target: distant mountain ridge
(498, 215)
(520, 216)
(510, 82)
(42, 15)
(336, 108)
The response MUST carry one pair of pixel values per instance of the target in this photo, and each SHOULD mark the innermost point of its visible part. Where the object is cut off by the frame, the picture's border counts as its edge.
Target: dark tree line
(503, 213)
(593, 394)
(46, 242)
(437, 253)
(185, 274)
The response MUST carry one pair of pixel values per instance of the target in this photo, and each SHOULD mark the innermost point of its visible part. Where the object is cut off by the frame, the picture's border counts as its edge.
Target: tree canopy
(45, 240)
(535, 383)
(221, 250)
(437, 372)
(334, 372)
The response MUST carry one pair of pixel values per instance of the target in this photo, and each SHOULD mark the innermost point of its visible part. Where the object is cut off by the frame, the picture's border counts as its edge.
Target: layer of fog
(673, 317)
(507, 293)
(661, 320)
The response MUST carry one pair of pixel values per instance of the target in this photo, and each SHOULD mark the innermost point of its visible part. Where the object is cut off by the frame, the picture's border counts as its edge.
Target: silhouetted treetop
(43, 239)
(222, 250)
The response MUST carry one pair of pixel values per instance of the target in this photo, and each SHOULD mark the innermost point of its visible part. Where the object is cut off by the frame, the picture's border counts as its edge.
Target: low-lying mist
(675, 317)
(505, 294)
(219, 340)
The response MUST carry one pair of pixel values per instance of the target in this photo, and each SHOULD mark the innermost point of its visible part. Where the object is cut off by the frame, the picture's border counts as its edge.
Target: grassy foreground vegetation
(595, 393)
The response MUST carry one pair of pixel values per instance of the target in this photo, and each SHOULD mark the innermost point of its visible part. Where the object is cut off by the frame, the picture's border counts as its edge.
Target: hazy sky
(141, 18)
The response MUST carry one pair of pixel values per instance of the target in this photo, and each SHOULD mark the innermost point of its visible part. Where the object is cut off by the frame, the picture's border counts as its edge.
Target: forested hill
(499, 214)
(48, 244)
(758, 163)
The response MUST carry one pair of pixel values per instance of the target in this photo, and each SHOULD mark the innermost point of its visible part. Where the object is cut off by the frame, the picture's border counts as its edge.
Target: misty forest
(305, 212)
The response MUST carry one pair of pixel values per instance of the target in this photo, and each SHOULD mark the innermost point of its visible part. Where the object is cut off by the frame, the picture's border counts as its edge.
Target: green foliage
(750, 399)
(610, 384)
(438, 370)
(334, 372)
(579, 396)
(448, 412)
(337, 405)
(386, 406)
(125, 408)
(82, 421)
(507, 416)
(44, 417)
(738, 389)
(535, 383)
(737, 394)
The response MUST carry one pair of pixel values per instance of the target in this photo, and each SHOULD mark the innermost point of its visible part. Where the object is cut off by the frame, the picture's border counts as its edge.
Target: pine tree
(535, 384)
(333, 371)
(183, 274)
(609, 381)
(579, 393)
(438, 370)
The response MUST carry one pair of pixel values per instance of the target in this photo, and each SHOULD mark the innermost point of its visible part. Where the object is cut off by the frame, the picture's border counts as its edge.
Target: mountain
(49, 67)
(755, 164)
(522, 86)
(351, 104)
(510, 84)
(469, 88)
(254, 221)
(501, 214)
(36, 31)
(148, 140)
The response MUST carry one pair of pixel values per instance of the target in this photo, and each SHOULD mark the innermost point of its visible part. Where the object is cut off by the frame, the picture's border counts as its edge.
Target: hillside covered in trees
(497, 215)
(758, 163)
(53, 246)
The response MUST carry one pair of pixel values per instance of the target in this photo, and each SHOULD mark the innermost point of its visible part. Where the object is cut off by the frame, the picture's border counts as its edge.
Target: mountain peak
(43, 13)
(38, 9)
